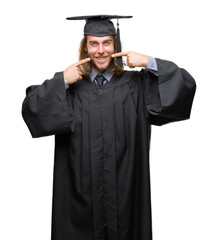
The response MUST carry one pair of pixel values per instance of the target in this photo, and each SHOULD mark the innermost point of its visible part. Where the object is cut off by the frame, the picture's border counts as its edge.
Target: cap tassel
(119, 59)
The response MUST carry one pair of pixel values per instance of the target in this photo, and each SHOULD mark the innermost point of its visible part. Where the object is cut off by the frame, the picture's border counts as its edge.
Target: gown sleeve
(47, 108)
(169, 95)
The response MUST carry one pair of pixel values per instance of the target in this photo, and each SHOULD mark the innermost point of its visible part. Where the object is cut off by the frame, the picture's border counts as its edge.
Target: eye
(107, 42)
(94, 44)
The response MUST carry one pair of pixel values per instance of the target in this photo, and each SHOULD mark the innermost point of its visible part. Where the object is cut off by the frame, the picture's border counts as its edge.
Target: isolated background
(37, 41)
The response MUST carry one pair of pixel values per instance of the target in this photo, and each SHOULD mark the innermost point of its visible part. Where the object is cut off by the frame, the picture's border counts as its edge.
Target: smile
(101, 59)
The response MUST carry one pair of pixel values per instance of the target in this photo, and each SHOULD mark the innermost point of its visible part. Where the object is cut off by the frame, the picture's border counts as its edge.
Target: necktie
(100, 79)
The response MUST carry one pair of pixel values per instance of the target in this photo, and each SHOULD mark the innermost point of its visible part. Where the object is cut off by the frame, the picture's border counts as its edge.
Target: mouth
(101, 59)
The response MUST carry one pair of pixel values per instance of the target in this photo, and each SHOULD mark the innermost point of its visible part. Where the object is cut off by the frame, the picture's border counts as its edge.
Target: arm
(47, 108)
(169, 93)
(169, 96)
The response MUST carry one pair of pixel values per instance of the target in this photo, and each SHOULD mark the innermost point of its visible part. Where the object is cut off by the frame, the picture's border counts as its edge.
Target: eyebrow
(107, 40)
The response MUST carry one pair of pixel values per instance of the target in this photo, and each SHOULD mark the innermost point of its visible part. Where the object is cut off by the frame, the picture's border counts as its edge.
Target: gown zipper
(100, 92)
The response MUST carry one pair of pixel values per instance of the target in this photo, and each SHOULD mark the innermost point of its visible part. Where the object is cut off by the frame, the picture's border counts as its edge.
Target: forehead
(99, 39)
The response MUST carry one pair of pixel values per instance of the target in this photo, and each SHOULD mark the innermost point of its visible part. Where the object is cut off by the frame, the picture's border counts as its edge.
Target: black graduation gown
(101, 171)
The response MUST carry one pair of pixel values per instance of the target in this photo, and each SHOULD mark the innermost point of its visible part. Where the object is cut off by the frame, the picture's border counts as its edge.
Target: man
(101, 117)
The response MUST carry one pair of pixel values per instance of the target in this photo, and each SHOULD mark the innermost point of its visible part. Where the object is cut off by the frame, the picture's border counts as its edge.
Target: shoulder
(136, 76)
(136, 73)
(136, 80)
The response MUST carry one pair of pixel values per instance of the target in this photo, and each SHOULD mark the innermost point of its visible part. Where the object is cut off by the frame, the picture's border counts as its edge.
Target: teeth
(101, 58)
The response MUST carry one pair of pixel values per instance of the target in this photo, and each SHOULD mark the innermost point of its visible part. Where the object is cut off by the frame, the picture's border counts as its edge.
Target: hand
(134, 59)
(73, 73)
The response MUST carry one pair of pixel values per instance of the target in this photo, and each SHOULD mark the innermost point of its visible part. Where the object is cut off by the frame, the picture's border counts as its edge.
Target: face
(100, 50)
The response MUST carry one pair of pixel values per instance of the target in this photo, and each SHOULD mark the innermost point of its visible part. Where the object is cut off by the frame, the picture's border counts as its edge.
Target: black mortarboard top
(100, 26)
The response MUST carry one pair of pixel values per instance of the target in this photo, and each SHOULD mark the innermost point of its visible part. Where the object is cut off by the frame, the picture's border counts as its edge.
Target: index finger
(120, 54)
(81, 62)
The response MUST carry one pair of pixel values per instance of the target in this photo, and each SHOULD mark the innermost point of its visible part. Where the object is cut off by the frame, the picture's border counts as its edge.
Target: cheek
(91, 51)
(109, 49)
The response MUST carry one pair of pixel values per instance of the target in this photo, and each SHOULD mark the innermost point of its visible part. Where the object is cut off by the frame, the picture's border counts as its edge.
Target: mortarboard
(100, 26)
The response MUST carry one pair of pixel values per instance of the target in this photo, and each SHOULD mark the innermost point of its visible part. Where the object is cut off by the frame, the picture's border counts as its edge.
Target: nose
(100, 48)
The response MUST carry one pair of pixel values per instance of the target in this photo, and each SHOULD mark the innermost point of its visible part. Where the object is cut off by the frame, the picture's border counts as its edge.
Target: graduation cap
(100, 26)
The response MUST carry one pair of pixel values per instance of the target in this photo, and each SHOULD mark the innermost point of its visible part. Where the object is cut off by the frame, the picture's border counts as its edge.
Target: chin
(101, 68)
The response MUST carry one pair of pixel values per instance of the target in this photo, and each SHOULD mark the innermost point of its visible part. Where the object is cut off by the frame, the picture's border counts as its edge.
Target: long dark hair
(86, 68)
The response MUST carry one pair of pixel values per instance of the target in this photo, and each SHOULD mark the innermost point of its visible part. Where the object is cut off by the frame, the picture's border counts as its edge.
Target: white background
(37, 41)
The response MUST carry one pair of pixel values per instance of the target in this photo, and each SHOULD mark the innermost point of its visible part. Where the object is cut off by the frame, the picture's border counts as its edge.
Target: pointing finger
(120, 54)
(82, 62)
(80, 72)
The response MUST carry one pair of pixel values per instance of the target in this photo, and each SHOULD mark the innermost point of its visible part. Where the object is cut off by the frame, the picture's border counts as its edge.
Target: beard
(101, 69)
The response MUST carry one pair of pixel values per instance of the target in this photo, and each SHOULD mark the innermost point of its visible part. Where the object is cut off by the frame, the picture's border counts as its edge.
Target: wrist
(65, 79)
(146, 60)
